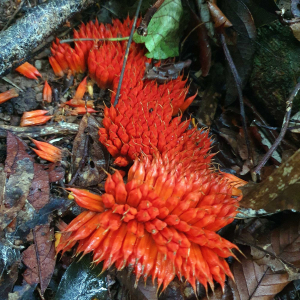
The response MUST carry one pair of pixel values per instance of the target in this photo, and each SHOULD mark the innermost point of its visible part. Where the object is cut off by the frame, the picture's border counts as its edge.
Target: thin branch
(259, 282)
(238, 83)
(285, 124)
(127, 52)
(62, 128)
(273, 134)
(91, 39)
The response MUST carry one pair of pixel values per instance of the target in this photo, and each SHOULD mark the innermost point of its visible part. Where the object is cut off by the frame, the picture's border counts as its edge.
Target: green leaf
(164, 31)
(81, 282)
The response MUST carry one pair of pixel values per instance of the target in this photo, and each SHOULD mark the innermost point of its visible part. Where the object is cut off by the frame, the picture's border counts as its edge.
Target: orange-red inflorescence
(140, 121)
(163, 221)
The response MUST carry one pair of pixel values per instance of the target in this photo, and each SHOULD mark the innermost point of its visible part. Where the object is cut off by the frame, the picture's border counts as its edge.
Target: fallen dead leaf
(279, 191)
(39, 191)
(40, 257)
(19, 169)
(256, 282)
(279, 249)
(95, 155)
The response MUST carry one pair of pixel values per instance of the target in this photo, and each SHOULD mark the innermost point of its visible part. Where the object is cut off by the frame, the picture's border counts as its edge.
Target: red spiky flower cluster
(163, 221)
(140, 120)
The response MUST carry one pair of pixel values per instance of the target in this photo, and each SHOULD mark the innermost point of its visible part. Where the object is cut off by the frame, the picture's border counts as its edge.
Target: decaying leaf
(9, 263)
(164, 30)
(279, 249)
(220, 20)
(40, 257)
(95, 155)
(20, 171)
(38, 195)
(278, 191)
(80, 281)
(256, 282)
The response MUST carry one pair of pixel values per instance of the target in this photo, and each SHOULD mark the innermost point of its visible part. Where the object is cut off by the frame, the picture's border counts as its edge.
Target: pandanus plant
(163, 221)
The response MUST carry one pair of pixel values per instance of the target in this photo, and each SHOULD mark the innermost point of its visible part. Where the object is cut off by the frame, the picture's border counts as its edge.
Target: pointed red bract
(47, 93)
(47, 151)
(34, 117)
(8, 95)
(28, 71)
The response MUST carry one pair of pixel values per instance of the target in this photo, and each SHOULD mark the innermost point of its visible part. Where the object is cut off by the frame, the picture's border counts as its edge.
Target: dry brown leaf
(40, 257)
(279, 249)
(20, 171)
(278, 191)
(256, 282)
(56, 172)
(39, 191)
(97, 157)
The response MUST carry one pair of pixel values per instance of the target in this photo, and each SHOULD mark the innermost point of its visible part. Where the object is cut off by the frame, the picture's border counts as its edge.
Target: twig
(37, 131)
(14, 14)
(259, 282)
(82, 161)
(10, 82)
(285, 124)
(143, 28)
(272, 133)
(91, 39)
(240, 93)
(127, 52)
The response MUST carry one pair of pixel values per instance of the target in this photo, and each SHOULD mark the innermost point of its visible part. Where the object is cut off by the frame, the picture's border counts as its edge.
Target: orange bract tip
(82, 110)
(35, 117)
(47, 93)
(81, 89)
(56, 67)
(8, 95)
(47, 151)
(234, 180)
(79, 103)
(28, 71)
